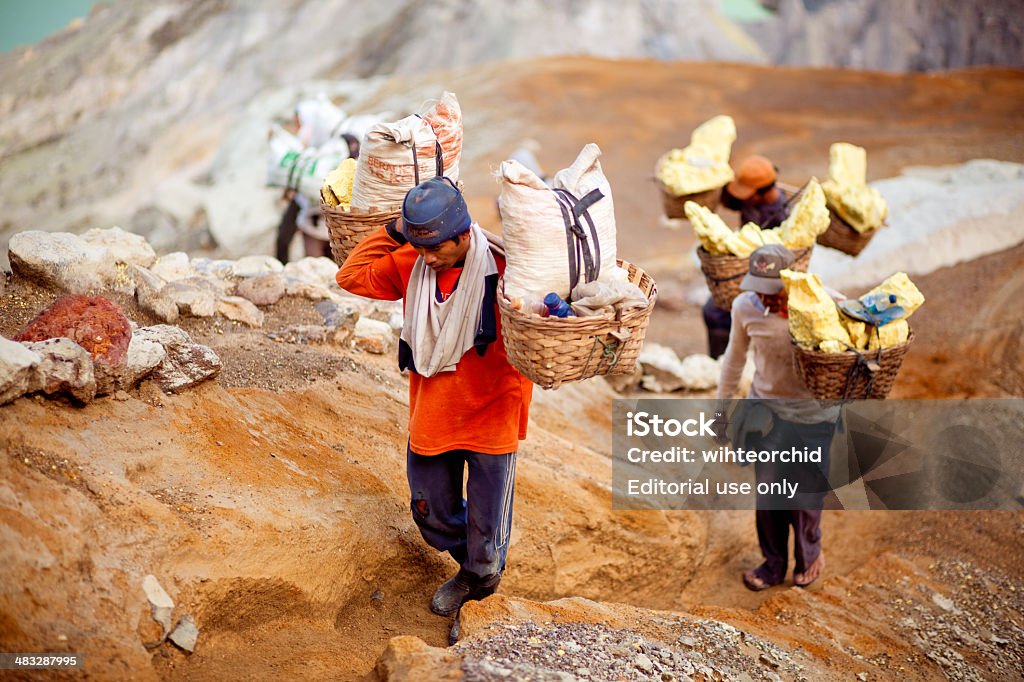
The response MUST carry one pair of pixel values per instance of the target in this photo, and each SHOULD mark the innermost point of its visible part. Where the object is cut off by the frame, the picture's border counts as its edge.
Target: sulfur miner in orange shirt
(468, 406)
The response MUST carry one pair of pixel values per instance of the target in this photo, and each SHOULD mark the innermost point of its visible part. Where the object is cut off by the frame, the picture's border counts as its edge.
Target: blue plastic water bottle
(557, 306)
(882, 308)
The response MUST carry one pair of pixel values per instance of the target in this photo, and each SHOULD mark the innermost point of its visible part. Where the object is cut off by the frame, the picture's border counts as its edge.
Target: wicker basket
(851, 375)
(551, 351)
(842, 237)
(348, 228)
(724, 273)
(673, 204)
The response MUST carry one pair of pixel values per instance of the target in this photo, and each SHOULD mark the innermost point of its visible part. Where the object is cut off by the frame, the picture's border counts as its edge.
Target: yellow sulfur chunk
(847, 192)
(704, 164)
(750, 237)
(712, 231)
(832, 347)
(808, 219)
(337, 189)
(813, 316)
(908, 296)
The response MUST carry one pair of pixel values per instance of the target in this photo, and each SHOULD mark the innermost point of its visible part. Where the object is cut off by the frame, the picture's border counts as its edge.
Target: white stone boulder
(124, 247)
(64, 367)
(263, 289)
(61, 260)
(251, 266)
(241, 310)
(187, 363)
(17, 367)
(373, 336)
(173, 266)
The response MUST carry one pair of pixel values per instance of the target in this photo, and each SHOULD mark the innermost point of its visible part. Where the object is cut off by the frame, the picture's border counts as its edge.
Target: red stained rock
(93, 322)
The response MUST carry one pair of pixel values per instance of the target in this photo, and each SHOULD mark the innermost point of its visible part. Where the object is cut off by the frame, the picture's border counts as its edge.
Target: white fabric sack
(314, 166)
(360, 124)
(281, 157)
(318, 119)
(534, 232)
(385, 170)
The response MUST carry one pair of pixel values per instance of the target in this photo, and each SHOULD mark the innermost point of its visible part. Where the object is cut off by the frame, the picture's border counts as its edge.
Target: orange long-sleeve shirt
(484, 404)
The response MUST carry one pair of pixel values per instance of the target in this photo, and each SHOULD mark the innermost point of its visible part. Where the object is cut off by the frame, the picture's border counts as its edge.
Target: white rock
(663, 372)
(173, 266)
(240, 310)
(251, 266)
(187, 363)
(64, 366)
(185, 633)
(61, 260)
(190, 299)
(160, 603)
(373, 336)
(396, 321)
(17, 367)
(321, 270)
(125, 247)
(213, 268)
(263, 289)
(307, 290)
(700, 372)
(144, 355)
(147, 292)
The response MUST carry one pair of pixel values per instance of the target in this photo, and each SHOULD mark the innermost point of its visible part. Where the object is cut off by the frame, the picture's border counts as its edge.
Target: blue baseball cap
(434, 212)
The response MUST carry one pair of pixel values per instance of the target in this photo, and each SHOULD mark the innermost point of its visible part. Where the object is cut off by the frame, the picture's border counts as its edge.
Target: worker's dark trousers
(475, 530)
(718, 323)
(775, 515)
(286, 230)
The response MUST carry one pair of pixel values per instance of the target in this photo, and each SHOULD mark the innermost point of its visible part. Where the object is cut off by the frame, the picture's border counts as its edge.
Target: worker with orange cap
(757, 198)
(755, 195)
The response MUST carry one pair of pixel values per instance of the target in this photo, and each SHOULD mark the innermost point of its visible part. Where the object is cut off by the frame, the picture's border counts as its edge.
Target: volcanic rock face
(910, 35)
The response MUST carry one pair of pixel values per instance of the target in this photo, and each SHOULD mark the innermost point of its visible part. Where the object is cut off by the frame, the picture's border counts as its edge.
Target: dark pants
(475, 530)
(803, 512)
(286, 230)
(718, 323)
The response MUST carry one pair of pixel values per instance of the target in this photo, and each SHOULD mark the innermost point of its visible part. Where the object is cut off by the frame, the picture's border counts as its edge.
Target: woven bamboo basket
(842, 237)
(551, 351)
(724, 273)
(851, 375)
(348, 228)
(673, 205)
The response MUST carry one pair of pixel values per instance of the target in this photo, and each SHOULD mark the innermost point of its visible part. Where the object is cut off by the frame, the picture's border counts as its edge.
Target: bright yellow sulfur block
(337, 189)
(807, 220)
(750, 237)
(814, 319)
(711, 230)
(908, 296)
(704, 164)
(847, 192)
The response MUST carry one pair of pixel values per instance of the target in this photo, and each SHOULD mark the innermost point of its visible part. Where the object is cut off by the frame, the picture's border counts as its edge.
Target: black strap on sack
(583, 250)
(438, 161)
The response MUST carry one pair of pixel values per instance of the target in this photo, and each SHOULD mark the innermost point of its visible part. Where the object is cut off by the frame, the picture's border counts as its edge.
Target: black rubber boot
(460, 588)
(452, 594)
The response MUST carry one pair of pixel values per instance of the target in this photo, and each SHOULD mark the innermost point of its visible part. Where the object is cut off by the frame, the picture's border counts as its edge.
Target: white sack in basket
(385, 169)
(535, 243)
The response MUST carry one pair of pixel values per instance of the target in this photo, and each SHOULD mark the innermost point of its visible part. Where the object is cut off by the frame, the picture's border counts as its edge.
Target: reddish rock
(93, 322)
